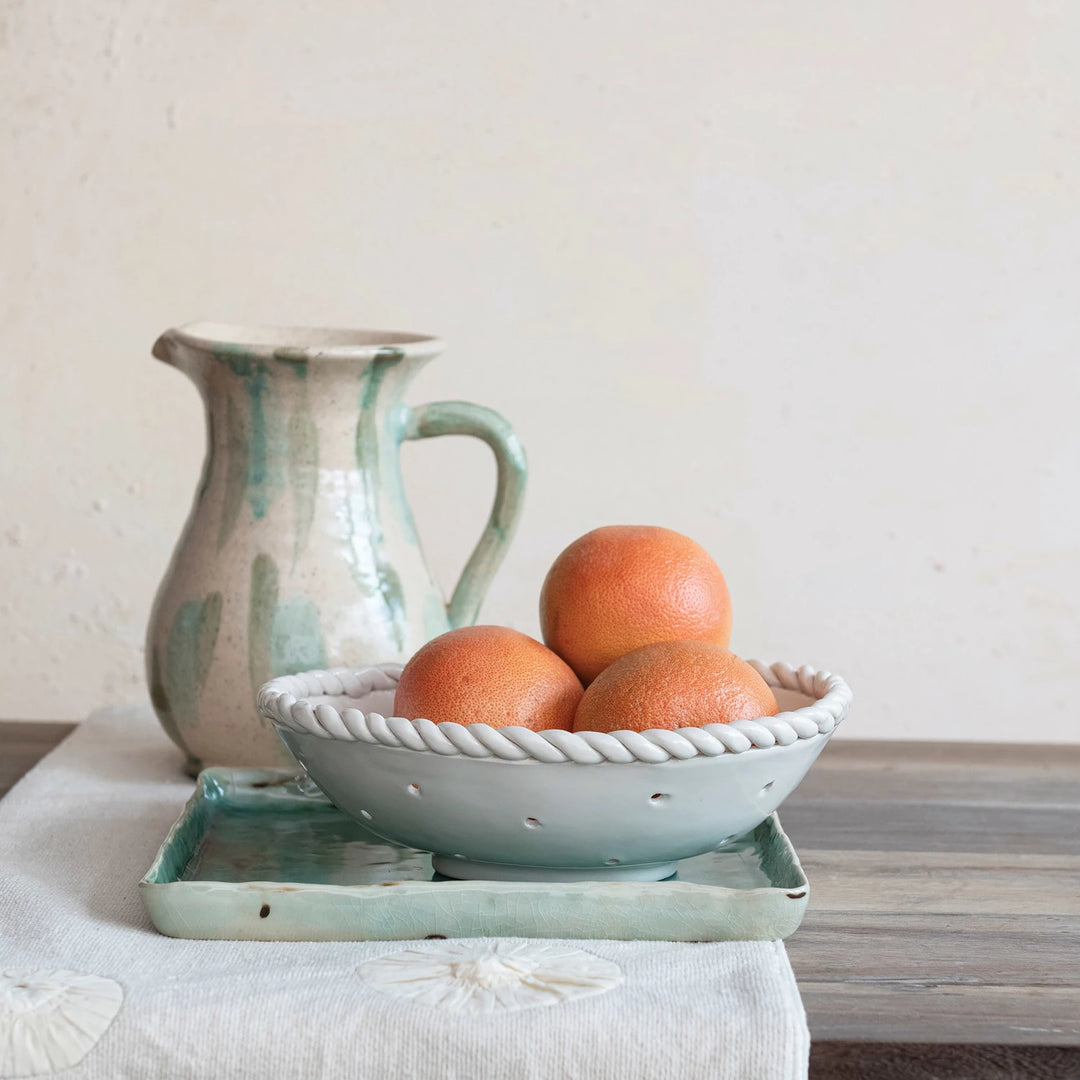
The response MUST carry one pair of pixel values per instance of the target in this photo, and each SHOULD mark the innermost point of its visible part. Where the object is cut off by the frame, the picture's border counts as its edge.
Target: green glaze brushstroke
(209, 625)
(236, 471)
(258, 480)
(261, 605)
(369, 465)
(188, 656)
(263, 477)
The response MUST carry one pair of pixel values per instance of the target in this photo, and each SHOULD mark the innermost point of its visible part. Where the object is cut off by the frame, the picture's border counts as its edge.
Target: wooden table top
(943, 934)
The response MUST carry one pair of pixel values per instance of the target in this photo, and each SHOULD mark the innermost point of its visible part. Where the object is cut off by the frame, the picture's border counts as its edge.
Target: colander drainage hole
(659, 798)
(612, 862)
(532, 823)
(414, 789)
(767, 788)
(365, 815)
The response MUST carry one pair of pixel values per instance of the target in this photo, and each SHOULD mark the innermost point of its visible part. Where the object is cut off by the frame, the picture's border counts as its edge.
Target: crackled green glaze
(300, 550)
(254, 858)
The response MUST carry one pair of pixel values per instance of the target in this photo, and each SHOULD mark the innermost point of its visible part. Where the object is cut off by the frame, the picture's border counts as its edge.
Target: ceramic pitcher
(300, 550)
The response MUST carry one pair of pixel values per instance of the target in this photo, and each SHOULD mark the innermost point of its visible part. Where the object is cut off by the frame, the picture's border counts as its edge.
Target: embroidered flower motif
(485, 978)
(50, 1020)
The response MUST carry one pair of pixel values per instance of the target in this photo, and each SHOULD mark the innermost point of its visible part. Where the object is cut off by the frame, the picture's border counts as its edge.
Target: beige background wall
(796, 279)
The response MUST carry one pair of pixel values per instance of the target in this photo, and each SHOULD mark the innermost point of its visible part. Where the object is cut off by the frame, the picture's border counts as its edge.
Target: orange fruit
(674, 684)
(623, 586)
(488, 675)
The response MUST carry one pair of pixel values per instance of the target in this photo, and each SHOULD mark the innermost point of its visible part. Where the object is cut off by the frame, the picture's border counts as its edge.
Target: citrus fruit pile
(636, 621)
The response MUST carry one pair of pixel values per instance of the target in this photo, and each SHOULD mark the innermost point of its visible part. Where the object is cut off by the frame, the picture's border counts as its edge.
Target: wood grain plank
(925, 754)
(967, 883)
(945, 893)
(23, 744)
(881, 825)
(973, 785)
(924, 951)
(1040, 1015)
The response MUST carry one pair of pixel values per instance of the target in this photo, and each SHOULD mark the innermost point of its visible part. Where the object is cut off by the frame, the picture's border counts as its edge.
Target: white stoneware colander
(517, 805)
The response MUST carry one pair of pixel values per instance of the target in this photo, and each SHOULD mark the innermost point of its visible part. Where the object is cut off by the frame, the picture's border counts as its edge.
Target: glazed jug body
(300, 550)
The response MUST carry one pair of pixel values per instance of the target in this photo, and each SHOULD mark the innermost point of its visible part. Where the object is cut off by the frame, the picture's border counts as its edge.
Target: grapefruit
(488, 675)
(623, 586)
(674, 684)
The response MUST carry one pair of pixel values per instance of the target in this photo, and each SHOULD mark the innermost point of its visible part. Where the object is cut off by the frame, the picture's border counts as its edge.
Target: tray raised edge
(413, 910)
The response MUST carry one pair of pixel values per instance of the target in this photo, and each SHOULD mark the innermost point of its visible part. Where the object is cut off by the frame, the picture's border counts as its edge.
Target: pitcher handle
(465, 418)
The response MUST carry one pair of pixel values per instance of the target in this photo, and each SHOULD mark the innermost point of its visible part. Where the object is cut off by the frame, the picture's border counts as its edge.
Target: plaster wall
(798, 280)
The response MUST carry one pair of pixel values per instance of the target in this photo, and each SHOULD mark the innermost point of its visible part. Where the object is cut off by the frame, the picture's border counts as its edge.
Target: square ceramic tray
(254, 857)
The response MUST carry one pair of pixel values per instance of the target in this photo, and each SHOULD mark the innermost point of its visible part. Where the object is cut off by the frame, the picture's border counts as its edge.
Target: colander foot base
(470, 870)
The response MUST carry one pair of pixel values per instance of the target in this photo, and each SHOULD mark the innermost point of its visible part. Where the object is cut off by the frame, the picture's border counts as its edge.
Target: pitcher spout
(166, 348)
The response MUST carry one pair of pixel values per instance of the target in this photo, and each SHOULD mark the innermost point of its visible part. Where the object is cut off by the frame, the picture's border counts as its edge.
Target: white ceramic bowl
(513, 804)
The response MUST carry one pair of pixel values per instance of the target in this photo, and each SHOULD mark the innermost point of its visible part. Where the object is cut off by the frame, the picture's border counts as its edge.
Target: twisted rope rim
(285, 703)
